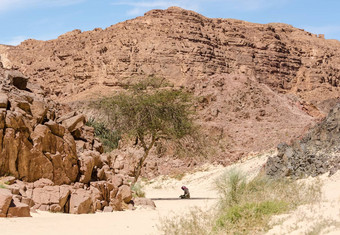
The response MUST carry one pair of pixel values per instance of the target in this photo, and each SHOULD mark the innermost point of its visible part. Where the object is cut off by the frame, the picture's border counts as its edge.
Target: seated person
(186, 194)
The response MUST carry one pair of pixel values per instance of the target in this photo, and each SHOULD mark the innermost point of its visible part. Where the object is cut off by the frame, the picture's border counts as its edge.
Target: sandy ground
(322, 216)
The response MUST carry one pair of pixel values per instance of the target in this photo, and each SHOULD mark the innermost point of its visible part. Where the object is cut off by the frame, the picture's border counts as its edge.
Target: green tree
(149, 116)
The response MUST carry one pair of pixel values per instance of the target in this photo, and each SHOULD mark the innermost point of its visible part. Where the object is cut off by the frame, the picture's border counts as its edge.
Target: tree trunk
(139, 166)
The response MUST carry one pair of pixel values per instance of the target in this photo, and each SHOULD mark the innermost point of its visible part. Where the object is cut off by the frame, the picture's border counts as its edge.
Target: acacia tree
(149, 117)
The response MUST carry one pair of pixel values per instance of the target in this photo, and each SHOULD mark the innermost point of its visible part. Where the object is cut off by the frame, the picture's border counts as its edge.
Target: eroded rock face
(36, 143)
(206, 56)
(184, 46)
(57, 158)
(316, 153)
(29, 149)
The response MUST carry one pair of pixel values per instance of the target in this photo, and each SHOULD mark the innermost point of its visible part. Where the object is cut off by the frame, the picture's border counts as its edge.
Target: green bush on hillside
(109, 138)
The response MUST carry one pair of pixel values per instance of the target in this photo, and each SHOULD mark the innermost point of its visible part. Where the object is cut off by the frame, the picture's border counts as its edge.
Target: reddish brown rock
(86, 167)
(39, 110)
(125, 192)
(3, 101)
(18, 209)
(47, 196)
(42, 183)
(5, 201)
(74, 123)
(17, 79)
(81, 202)
(117, 203)
(55, 128)
(117, 180)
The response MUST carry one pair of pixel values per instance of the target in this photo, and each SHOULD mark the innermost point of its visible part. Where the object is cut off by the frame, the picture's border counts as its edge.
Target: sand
(165, 191)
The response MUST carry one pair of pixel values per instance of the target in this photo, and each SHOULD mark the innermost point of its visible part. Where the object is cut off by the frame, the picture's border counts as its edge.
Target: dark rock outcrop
(316, 153)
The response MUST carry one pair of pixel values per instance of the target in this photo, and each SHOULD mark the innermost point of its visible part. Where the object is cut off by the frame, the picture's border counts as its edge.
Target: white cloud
(16, 4)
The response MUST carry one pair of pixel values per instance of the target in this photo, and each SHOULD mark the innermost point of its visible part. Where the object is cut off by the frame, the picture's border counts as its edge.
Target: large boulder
(81, 202)
(51, 198)
(125, 193)
(17, 79)
(75, 122)
(5, 201)
(86, 167)
(39, 110)
(18, 209)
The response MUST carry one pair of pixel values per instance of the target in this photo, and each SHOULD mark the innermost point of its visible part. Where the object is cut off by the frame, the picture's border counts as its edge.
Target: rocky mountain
(259, 84)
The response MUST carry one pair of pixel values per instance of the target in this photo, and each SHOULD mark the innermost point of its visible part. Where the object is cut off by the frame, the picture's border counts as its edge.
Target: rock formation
(56, 160)
(184, 47)
(258, 84)
(10, 206)
(316, 153)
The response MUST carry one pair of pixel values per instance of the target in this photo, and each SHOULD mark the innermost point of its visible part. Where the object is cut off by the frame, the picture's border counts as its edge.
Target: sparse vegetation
(148, 117)
(196, 222)
(137, 190)
(178, 176)
(245, 207)
(151, 81)
(324, 225)
(109, 138)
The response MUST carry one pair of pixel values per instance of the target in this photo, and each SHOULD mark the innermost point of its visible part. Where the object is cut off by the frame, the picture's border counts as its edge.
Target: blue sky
(47, 19)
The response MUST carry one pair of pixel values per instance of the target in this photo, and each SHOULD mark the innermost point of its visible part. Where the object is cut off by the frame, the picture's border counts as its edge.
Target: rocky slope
(183, 46)
(259, 85)
(316, 153)
(55, 163)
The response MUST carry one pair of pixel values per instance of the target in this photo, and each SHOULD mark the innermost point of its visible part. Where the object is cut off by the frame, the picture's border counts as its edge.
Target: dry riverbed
(320, 218)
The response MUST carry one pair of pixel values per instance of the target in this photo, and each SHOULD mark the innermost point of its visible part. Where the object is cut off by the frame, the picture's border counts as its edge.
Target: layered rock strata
(184, 47)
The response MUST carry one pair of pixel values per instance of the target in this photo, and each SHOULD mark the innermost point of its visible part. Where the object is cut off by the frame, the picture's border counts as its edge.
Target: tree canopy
(149, 116)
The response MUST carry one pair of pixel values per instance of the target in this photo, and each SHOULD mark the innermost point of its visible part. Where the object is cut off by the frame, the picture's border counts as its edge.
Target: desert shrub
(109, 138)
(137, 190)
(245, 206)
(150, 81)
(195, 222)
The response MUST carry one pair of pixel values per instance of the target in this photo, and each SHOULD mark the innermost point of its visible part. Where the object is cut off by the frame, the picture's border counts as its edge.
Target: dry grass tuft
(245, 207)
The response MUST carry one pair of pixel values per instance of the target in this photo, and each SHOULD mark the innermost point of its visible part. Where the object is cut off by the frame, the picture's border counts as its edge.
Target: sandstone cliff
(184, 47)
(55, 163)
(259, 85)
